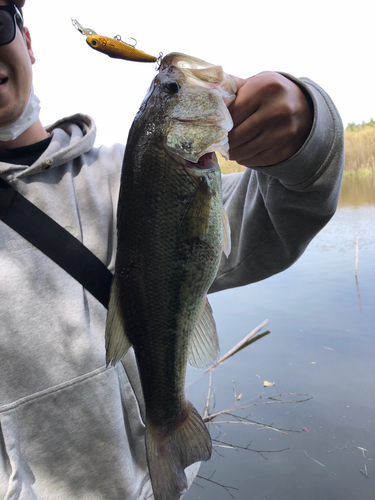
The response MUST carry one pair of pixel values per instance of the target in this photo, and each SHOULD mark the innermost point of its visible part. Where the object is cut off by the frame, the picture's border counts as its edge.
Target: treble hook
(158, 61)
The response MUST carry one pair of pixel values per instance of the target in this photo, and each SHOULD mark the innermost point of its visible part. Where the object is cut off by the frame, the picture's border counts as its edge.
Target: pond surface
(311, 435)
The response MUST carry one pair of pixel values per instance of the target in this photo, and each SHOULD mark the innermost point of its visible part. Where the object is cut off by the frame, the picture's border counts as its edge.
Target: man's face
(16, 59)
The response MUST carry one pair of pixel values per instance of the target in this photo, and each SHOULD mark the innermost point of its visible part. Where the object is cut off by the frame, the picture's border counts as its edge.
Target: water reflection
(357, 191)
(322, 346)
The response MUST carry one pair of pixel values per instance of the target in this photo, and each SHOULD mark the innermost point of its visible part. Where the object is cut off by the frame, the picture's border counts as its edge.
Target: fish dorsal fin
(116, 340)
(204, 346)
(227, 238)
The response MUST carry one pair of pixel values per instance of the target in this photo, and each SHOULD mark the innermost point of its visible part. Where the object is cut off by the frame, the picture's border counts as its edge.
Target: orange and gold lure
(113, 47)
(116, 48)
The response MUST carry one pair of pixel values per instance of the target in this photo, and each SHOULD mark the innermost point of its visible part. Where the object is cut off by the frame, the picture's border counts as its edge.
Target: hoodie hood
(71, 137)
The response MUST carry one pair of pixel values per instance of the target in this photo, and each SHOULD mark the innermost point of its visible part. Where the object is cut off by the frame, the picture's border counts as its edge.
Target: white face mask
(28, 118)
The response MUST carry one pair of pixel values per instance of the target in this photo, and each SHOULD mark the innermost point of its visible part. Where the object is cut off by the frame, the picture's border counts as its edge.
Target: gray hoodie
(69, 427)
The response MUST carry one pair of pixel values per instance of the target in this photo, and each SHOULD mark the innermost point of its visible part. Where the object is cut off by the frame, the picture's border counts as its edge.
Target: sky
(328, 41)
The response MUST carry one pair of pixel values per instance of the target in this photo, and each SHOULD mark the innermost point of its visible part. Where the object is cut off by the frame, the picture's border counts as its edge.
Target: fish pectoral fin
(171, 450)
(227, 244)
(204, 346)
(116, 341)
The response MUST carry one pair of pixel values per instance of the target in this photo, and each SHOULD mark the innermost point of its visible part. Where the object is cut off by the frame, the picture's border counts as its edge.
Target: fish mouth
(206, 163)
(196, 154)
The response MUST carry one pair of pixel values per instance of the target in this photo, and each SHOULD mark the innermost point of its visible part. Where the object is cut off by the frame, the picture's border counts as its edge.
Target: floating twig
(271, 400)
(236, 396)
(363, 450)
(365, 471)
(339, 449)
(316, 461)
(207, 405)
(252, 423)
(241, 345)
(225, 486)
(244, 343)
(247, 448)
(274, 398)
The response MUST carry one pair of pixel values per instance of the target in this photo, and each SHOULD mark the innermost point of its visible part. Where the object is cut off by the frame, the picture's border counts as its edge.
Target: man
(69, 427)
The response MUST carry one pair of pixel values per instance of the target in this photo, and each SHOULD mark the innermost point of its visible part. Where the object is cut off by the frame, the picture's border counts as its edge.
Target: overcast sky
(329, 41)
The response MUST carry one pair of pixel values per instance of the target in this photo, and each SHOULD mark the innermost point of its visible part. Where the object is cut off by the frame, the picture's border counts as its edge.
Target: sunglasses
(9, 14)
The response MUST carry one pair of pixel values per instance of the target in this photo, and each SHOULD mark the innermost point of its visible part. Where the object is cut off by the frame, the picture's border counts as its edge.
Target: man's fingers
(245, 104)
(249, 150)
(272, 119)
(270, 146)
(245, 131)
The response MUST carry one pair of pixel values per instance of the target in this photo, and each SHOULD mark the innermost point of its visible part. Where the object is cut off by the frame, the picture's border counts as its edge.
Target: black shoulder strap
(55, 241)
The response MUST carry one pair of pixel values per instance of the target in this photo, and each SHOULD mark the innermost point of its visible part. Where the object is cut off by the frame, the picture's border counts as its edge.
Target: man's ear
(28, 44)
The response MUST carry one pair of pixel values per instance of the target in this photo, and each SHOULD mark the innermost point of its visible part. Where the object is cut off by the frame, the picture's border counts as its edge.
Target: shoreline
(230, 167)
(360, 172)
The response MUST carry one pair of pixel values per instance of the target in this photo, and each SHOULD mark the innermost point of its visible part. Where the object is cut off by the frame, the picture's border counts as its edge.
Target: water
(321, 356)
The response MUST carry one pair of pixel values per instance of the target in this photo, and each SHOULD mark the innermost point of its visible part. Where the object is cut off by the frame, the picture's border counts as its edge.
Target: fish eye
(94, 43)
(172, 86)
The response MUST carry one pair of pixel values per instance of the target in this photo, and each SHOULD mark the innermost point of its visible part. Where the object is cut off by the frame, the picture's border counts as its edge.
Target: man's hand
(272, 119)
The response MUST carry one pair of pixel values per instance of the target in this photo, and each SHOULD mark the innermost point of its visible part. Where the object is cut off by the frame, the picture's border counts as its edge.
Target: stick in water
(356, 273)
(239, 345)
(356, 256)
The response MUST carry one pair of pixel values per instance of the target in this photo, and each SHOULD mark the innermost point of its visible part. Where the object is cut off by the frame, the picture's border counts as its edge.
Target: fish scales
(165, 299)
(170, 240)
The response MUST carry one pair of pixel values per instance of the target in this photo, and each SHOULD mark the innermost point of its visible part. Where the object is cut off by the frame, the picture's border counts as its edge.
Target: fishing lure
(113, 47)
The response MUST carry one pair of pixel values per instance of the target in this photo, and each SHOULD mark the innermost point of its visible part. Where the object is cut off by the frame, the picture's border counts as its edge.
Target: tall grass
(229, 166)
(360, 148)
(359, 151)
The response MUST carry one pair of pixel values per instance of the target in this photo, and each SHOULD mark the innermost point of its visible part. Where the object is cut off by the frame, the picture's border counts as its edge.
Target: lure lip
(84, 31)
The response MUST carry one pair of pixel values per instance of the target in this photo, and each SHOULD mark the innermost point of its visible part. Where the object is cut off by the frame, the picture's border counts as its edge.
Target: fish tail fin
(169, 453)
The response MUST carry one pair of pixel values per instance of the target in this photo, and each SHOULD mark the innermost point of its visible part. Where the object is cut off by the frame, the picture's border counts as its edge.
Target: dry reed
(359, 152)
(360, 149)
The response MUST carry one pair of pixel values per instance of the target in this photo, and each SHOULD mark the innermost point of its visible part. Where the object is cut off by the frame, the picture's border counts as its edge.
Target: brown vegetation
(359, 151)
(360, 148)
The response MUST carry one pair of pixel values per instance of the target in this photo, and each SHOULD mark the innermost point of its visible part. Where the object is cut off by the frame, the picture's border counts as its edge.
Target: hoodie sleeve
(275, 211)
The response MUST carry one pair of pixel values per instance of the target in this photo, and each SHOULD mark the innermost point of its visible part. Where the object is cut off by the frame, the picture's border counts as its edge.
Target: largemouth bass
(171, 234)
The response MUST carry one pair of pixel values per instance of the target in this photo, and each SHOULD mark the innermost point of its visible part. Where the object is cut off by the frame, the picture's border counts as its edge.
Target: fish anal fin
(204, 346)
(116, 341)
(170, 452)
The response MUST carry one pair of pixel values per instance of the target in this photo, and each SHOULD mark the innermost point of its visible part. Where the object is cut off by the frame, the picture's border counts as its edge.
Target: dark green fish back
(167, 262)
